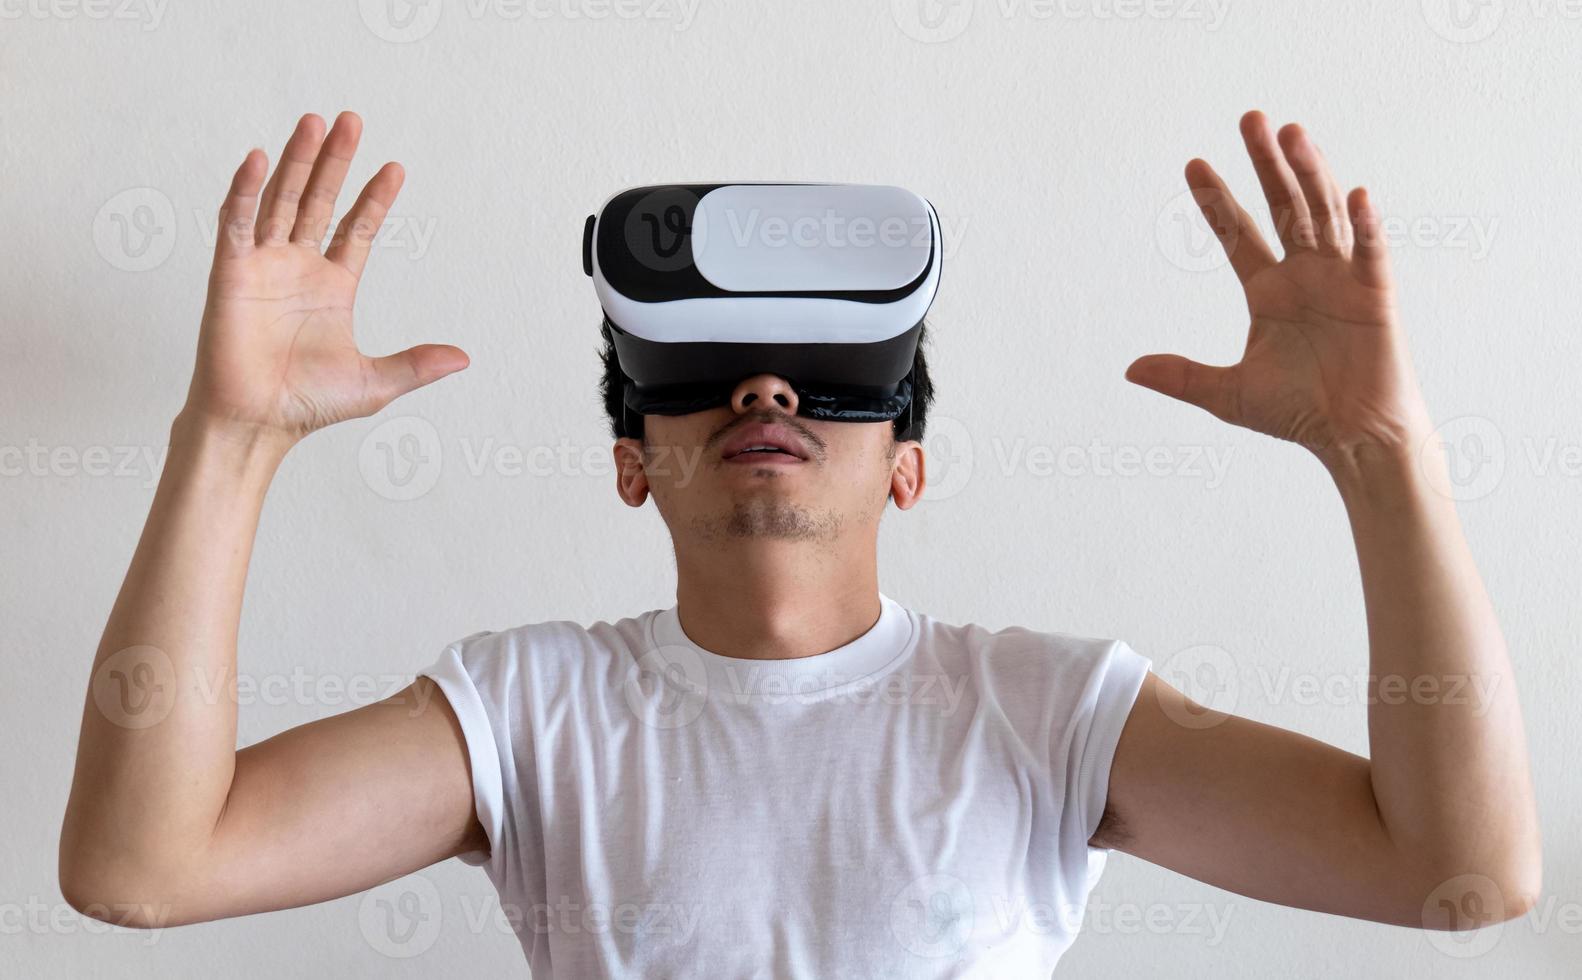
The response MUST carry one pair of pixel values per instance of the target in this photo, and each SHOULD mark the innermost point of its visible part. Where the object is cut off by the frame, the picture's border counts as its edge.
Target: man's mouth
(763, 449)
(764, 454)
(764, 443)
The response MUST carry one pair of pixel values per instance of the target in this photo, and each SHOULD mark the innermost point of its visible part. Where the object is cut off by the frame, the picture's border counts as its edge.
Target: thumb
(1212, 389)
(396, 374)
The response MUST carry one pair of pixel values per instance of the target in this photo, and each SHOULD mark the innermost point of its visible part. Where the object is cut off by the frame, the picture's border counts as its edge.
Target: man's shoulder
(1045, 669)
(1047, 685)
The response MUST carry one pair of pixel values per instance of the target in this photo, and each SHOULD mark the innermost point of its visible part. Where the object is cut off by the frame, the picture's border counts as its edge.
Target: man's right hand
(277, 354)
(167, 821)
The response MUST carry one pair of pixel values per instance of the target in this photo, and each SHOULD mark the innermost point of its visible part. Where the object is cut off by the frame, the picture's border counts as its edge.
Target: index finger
(1237, 233)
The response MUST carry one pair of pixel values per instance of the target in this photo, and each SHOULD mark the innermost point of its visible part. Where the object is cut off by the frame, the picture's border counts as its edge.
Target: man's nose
(764, 392)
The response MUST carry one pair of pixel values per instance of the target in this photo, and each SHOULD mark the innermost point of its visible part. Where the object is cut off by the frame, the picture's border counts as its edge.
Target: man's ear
(631, 480)
(908, 478)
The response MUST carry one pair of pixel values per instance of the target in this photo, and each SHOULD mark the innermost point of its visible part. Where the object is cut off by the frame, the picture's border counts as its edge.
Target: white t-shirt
(916, 803)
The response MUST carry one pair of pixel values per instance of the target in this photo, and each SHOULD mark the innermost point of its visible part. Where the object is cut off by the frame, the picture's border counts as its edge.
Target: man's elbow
(1499, 892)
(123, 912)
(116, 895)
(1524, 886)
(1520, 877)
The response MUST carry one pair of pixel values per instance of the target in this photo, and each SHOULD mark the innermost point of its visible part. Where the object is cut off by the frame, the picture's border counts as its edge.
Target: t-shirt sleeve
(465, 674)
(1105, 704)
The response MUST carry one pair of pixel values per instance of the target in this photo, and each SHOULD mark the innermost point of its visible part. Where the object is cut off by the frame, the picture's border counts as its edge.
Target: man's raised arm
(167, 823)
(1439, 827)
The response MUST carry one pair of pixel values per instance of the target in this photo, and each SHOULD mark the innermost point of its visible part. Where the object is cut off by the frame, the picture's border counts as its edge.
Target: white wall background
(1052, 143)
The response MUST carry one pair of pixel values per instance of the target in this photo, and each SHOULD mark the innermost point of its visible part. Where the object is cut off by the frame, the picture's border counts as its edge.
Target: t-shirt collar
(738, 678)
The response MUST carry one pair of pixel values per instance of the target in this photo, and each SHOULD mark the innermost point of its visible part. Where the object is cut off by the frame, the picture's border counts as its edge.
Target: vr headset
(825, 285)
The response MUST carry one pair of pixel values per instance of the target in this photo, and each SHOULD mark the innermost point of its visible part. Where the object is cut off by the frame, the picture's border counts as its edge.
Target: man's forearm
(1449, 756)
(158, 738)
(164, 812)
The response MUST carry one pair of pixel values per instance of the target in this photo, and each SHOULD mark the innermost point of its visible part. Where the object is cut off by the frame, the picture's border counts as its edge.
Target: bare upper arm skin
(337, 806)
(1254, 809)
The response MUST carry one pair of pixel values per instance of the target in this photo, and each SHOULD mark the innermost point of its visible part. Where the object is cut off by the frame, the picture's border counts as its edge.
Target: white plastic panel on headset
(817, 240)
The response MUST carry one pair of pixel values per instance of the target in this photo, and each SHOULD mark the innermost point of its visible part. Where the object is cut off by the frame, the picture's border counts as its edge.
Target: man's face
(754, 469)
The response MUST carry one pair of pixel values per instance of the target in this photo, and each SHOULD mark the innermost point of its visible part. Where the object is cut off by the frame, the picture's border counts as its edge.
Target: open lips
(762, 443)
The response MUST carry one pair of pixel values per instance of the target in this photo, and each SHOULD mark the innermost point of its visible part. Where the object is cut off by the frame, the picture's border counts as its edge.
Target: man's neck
(776, 600)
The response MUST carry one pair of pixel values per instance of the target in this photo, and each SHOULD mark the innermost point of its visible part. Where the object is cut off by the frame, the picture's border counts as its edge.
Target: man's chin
(763, 513)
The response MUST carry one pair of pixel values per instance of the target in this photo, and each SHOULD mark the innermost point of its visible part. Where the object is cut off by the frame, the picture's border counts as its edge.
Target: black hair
(612, 383)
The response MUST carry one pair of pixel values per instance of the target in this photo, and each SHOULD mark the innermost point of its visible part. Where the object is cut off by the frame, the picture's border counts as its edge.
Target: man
(821, 781)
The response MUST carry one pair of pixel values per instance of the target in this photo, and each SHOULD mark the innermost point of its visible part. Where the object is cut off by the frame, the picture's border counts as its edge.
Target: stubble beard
(763, 516)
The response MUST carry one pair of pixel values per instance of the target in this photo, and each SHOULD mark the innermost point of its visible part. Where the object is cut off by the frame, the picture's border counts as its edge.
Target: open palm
(277, 350)
(1326, 364)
